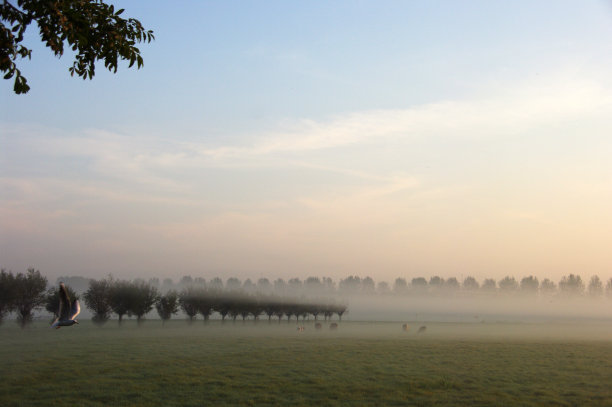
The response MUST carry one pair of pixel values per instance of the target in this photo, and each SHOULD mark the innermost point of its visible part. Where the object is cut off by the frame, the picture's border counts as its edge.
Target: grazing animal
(405, 327)
(422, 329)
(300, 328)
(318, 325)
(333, 326)
(67, 310)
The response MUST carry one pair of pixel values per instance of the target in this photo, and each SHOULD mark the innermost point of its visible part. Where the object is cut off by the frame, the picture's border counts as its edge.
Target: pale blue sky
(320, 138)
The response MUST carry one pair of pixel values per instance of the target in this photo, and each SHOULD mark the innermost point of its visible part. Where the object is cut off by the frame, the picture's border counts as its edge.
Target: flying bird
(67, 311)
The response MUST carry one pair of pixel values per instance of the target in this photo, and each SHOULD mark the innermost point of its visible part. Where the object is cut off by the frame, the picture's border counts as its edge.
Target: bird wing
(64, 303)
(76, 309)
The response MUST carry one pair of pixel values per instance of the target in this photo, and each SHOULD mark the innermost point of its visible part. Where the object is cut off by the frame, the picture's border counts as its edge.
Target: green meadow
(253, 364)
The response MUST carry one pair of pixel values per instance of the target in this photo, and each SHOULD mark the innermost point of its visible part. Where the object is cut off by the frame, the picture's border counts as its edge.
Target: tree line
(570, 285)
(24, 293)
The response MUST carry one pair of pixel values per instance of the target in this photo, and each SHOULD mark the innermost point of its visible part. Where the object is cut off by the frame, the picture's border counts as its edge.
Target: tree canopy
(94, 30)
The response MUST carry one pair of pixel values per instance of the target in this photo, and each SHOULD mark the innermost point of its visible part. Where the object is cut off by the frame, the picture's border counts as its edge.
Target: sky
(294, 139)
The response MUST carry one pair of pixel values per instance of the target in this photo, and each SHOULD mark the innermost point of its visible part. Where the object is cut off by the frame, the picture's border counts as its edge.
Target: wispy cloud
(513, 110)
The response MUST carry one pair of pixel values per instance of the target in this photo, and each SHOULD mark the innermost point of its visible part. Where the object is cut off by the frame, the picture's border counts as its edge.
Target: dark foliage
(92, 29)
(98, 300)
(167, 305)
(7, 293)
(29, 295)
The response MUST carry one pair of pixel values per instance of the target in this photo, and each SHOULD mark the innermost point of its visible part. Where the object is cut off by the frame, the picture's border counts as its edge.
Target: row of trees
(570, 285)
(26, 292)
(137, 298)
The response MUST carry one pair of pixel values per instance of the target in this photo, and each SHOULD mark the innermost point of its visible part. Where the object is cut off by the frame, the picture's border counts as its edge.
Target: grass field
(261, 364)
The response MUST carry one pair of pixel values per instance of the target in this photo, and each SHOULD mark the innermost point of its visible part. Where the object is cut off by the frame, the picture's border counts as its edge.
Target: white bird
(67, 311)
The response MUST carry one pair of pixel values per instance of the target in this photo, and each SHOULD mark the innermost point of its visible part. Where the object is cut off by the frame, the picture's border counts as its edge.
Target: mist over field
(306, 203)
(418, 303)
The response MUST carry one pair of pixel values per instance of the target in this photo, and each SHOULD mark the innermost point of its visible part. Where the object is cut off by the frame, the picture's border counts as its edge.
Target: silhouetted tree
(400, 286)
(489, 285)
(470, 284)
(120, 297)
(294, 285)
(222, 306)
(256, 308)
(167, 305)
(328, 284)
(199, 282)
(216, 284)
(508, 285)
(7, 293)
(436, 283)
(248, 286)
(142, 299)
(280, 286)
(270, 308)
(548, 287)
(350, 285)
(340, 310)
(264, 286)
(98, 299)
(368, 286)
(205, 303)
(609, 288)
(419, 285)
(313, 284)
(233, 284)
(188, 301)
(571, 285)
(451, 285)
(595, 287)
(530, 285)
(315, 310)
(29, 294)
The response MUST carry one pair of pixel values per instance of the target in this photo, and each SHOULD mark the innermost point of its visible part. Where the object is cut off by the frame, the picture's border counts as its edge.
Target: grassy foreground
(245, 364)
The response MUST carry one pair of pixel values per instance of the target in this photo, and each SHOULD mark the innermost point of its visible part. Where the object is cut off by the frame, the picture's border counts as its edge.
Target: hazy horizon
(384, 139)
